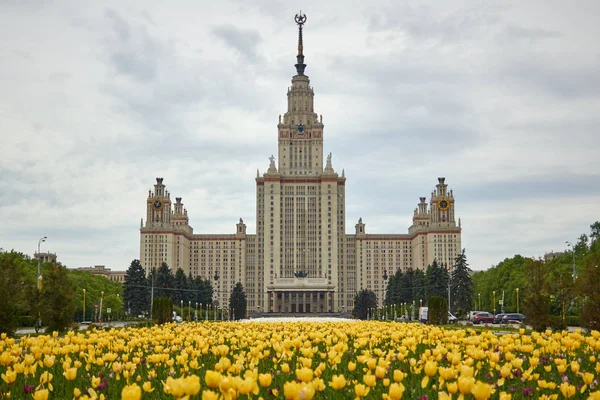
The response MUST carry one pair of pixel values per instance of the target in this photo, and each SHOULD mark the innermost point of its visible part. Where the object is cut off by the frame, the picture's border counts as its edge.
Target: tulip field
(300, 360)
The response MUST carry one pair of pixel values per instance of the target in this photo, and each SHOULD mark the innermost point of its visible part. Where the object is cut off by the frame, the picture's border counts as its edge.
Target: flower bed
(300, 360)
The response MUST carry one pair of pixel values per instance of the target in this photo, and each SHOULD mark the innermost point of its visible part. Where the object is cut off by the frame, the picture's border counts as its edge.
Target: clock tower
(158, 206)
(300, 133)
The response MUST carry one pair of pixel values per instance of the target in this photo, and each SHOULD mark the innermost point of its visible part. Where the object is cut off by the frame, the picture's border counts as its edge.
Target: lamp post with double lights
(216, 278)
(569, 244)
(385, 278)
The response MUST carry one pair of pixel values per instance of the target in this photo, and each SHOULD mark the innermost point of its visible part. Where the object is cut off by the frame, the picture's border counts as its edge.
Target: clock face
(300, 129)
(443, 204)
(157, 204)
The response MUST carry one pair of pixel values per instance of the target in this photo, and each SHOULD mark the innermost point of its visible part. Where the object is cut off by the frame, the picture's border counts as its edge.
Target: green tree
(180, 283)
(237, 302)
(364, 300)
(595, 234)
(135, 289)
(13, 288)
(57, 299)
(536, 300)
(461, 285)
(418, 286)
(588, 285)
(204, 291)
(437, 312)
(164, 283)
(436, 280)
(393, 288)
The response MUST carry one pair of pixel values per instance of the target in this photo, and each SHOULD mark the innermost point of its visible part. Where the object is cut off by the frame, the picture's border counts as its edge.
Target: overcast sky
(98, 99)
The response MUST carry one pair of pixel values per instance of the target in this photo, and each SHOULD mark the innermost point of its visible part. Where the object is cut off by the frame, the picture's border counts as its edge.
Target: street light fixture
(569, 244)
(39, 274)
(479, 301)
(517, 290)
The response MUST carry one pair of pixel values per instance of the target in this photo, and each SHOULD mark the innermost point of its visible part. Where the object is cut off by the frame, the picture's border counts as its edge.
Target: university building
(300, 259)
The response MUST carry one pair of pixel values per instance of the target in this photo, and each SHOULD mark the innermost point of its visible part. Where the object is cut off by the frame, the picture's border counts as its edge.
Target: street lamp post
(189, 310)
(569, 244)
(479, 301)
(494, 300)
(83, 317)
(517, 290)
(39, 274)
(101, 300)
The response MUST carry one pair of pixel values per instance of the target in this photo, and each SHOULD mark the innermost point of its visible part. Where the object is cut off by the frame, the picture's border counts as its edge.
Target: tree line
(178, 287)
(562, 289)
(58, 303)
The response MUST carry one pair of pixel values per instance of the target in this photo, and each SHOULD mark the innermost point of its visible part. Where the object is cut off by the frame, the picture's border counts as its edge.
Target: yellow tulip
(41, 394)
(465, 384)
(361, 390)
(369, 380)
(209, 395)
(452, 387)
(338, 382)
(147, 386)
(380, 372)
(95, 381)
(212, 379)
(265, 380)
(396, 391)
(444, 396)
(430, 368)
(351, 366)
(70, 374)
(131, 392)
(588, 378)
(304, 374)
(285, 368)
(567, 390)
(9, 377)
(481, 390)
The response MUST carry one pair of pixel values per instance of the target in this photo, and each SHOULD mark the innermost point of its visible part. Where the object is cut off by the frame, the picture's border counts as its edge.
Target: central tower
(300, 132)
(300, 208)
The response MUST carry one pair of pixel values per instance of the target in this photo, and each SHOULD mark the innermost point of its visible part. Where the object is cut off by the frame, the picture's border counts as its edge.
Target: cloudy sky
(99, 98)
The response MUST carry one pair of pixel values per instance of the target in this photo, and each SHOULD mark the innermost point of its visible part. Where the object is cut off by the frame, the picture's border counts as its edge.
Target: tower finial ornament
(300, 66)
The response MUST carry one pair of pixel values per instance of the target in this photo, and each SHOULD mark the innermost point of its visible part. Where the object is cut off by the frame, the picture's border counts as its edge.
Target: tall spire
(300, 20)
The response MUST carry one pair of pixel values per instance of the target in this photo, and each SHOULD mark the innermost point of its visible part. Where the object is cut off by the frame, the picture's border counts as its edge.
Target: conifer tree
(363, 301)
(163, 282)
(461, 285)
(237, 302)
(136, 294)
(180, 283)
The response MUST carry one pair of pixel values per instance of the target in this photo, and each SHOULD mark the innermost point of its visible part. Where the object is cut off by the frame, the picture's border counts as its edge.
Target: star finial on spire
(300, 66)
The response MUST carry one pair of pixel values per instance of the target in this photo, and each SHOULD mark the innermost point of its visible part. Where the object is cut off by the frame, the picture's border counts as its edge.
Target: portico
(300, 295)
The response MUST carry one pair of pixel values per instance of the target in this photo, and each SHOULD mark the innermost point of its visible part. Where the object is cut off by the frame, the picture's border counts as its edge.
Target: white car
(451, 318)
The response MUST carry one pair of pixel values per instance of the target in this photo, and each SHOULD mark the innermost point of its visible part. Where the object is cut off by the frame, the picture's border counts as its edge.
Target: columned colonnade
(295, 301)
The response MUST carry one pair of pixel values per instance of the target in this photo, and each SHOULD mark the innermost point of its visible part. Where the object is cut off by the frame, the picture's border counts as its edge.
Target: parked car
(513, 318)
(451, 318)
(471, 315)
(498, 318)
(483, 318)
(423, 314)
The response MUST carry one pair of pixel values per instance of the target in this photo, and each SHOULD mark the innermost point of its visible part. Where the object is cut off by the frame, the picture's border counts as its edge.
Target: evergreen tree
(436, 280)
(419, 286)
(180, 283)
(461, 285)
(408, 287)
(595, 234)
(393, 289)
(237, 302)
(204, 291)
(164, 282)
(364, 300)
(57, 305)
(136, 294)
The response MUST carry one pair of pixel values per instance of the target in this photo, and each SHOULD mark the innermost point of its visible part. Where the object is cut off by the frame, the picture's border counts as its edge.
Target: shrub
(573, 320)
(438, 310)
(162, 309)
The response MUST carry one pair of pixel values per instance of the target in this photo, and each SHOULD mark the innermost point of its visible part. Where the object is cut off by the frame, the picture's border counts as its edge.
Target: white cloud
(98, 99)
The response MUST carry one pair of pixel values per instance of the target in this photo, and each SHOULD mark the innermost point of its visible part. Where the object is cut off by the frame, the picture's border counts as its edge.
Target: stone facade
(301, 259)
(101, 270)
